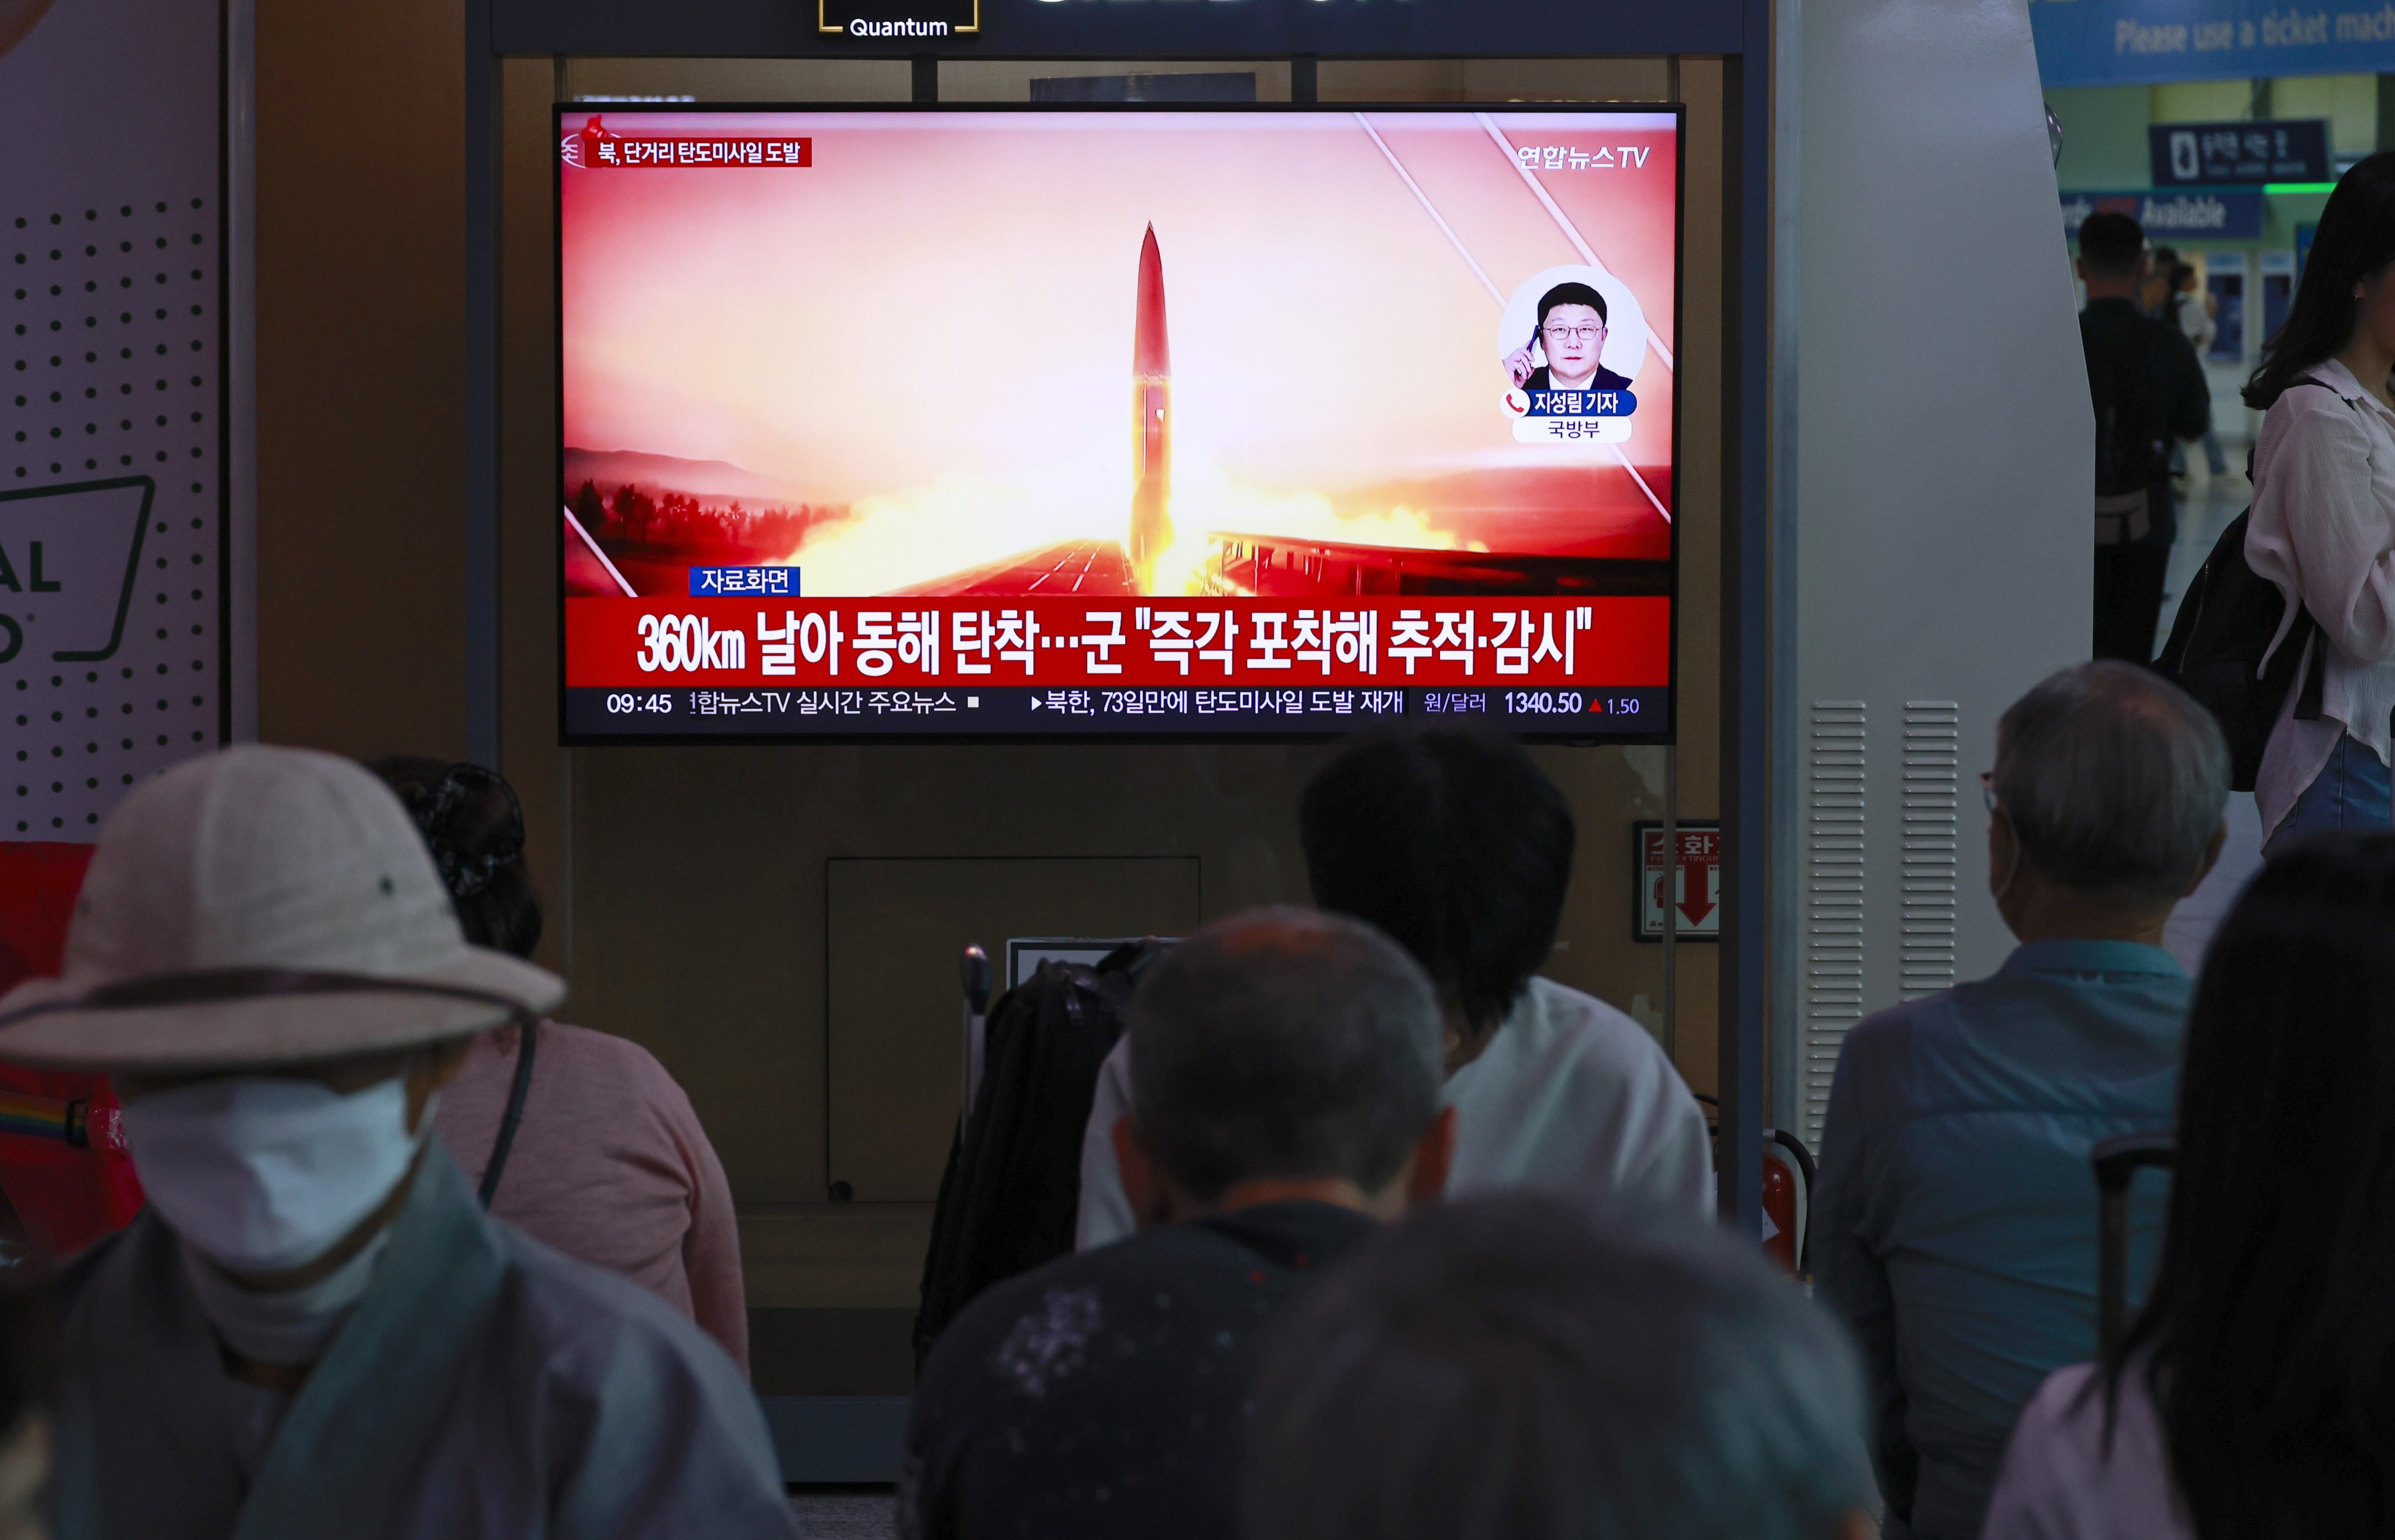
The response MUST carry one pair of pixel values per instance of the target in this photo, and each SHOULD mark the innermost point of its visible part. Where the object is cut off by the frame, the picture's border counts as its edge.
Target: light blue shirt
(485, 1388)
(1955, 1227)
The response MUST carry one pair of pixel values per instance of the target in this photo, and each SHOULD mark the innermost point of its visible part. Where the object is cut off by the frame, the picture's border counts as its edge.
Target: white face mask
(260, 1173)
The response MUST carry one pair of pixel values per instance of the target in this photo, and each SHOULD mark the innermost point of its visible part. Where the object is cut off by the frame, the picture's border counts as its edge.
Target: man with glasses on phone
(1954, 1225)
(1571, 330)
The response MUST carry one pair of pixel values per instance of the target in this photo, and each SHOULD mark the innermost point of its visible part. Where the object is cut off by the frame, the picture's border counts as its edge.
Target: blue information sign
(2228, 215)
(2151, 42)
(2239, 154)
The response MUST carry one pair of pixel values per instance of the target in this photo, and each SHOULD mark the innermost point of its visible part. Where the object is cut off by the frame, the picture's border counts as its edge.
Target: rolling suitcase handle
(2116, 1162)
(972, 973)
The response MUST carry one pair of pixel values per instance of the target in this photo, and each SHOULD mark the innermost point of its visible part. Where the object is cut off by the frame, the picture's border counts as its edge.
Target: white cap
(263, 858)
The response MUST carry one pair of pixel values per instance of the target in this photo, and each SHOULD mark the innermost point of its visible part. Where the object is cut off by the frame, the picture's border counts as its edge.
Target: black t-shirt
(1106, 1393)
(2177, 397)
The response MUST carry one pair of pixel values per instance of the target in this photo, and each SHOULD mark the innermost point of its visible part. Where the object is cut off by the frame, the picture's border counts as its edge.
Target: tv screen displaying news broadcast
(1116, 423)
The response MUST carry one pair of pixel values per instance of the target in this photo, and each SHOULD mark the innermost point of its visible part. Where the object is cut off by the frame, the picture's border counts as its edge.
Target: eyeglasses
(1987, 789)
(1577, 334)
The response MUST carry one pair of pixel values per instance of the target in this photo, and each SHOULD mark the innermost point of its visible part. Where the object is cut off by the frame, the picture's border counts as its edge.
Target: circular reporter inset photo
(1572, 328)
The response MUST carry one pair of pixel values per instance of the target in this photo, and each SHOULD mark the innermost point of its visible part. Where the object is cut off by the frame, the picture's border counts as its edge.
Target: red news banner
(1613, 642)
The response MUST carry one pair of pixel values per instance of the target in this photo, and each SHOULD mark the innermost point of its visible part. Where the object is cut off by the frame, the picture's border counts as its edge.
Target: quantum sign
(884, 19)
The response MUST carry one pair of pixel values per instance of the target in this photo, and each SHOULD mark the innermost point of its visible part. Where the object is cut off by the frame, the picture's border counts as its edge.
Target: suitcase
(2117, 1162)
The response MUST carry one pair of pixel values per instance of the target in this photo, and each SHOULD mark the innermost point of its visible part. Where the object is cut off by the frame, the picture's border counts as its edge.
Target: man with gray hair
(1526, 1365)
(1285, 1073)
(1954, 1227)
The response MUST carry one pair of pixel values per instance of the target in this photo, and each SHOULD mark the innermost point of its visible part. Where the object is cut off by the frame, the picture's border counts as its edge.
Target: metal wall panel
(1935, 558)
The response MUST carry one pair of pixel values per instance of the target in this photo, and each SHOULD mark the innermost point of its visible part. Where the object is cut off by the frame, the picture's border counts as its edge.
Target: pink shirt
(2062, 1482)
(609, 1166)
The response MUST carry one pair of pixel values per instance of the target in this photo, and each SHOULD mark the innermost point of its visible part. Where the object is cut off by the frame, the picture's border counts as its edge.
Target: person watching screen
(313, 1329)
(2250, 1395)
(1529, 1366)
(2322, 526)
(1457, 846)
(1954, 1224)
(1571, 330)
(1284, 1103)
(2192, 310)
(605, 1158)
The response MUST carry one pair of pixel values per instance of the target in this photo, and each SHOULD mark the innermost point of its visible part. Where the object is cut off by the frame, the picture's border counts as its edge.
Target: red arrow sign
(1699, 874)
(1692, 885)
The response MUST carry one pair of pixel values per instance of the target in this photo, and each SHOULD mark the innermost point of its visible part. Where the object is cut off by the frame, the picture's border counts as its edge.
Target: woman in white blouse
(2255, 1394)
(2322, 528)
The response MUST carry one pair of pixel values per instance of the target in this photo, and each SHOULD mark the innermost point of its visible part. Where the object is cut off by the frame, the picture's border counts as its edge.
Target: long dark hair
(2355, 240)
(2269, 1335)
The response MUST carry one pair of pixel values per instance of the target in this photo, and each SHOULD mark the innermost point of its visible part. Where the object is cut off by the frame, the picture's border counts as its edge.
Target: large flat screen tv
(1116, 423)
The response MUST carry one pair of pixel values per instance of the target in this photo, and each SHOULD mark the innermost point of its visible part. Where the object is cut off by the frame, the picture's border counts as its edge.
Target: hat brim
(263, 1030)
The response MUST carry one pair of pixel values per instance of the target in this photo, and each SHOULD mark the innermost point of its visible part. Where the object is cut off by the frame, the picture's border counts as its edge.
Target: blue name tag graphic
(1560, 403)
(724, 582)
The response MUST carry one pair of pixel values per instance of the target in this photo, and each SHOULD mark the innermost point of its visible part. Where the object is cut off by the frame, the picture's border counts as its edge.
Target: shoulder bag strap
(526, 1037)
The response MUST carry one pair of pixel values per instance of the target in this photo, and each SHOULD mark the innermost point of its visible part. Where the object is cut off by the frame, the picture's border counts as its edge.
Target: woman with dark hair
(586, 1143)
(2255, 1394)
(2322, 526)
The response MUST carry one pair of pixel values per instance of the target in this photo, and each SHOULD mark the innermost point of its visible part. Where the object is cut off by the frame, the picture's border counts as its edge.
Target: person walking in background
(1954, 1225)
(2154, 293)
(599, 1152)
(1458, 847)
(2322, 527)
(1535, 1366)
(2251, 1395)
(2148, 391)
(2192, 308)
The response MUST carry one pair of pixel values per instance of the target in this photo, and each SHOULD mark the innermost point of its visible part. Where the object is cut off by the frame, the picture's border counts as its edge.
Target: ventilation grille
(1932, 735)
(1833, 898)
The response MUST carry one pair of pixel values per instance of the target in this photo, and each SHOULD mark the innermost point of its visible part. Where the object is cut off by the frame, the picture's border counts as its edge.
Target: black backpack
(1011, 1192)
(2215, 652)
(2131, 454)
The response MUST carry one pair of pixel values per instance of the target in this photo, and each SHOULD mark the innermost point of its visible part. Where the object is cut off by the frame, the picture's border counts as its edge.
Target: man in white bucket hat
(313, 1329)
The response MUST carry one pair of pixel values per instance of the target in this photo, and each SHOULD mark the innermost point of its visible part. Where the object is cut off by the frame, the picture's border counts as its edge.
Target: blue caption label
(718, 582)
(1561, 403)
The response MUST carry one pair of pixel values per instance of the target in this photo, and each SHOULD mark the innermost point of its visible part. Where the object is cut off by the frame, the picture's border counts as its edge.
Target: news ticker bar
(709, 712)
(1550, 642)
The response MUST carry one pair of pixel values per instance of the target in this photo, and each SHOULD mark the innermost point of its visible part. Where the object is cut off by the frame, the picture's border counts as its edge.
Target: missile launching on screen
(1151, 392)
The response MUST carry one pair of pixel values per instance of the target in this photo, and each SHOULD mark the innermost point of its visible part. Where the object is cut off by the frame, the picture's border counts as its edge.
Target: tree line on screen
(677, 524)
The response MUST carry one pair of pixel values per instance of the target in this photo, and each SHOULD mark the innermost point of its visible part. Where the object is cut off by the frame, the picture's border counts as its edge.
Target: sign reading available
(1695, 890)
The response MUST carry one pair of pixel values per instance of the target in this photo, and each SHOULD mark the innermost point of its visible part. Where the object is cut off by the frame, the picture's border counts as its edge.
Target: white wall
(1935, 559)
(114, 343)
